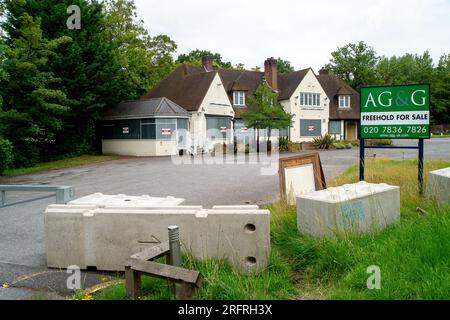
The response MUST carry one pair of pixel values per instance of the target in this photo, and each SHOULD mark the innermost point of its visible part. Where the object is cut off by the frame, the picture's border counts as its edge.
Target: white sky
(303, 32)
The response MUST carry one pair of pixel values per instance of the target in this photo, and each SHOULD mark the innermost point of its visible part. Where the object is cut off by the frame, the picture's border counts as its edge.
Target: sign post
(395, 112)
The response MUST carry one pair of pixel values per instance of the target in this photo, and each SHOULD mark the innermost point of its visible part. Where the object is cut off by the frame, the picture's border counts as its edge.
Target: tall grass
(413, 255)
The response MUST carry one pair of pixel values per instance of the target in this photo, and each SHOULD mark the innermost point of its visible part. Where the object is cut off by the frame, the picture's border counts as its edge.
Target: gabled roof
(158, 107)
(334, 87)
(186, 86)
(287, 83)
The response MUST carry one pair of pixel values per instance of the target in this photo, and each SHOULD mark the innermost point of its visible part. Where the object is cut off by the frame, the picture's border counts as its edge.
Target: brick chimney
(324, 71)
(271, 73)
(207, 63)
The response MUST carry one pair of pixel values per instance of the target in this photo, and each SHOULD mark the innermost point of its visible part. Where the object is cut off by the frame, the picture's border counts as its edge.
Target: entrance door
(351, 130)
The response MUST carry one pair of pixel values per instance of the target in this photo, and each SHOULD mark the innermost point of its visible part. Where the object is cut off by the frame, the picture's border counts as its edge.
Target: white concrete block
(103, 200)
(358, 208)
(438, 185)
(88, 236)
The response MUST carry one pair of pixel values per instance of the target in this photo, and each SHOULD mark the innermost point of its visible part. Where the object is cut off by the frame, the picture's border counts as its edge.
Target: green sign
(395, 112)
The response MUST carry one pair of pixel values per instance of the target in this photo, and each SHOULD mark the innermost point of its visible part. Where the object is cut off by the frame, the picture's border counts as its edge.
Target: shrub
(283, 144)
(338, 145)
(6, 155)
(381, 142)
(348, 146)
(324, 142)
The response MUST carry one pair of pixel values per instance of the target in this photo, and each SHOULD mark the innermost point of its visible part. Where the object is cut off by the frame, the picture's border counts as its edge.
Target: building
(344, 106)
(143, 128)
(214, 99)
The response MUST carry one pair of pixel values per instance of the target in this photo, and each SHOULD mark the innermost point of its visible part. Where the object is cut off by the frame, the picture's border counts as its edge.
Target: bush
(283, 144)
(324, 142)
(348, 146)
(338, 145)
(380, 142)
(6, 155)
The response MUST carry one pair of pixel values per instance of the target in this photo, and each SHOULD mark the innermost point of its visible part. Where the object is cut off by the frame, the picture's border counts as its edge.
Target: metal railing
(63, 194)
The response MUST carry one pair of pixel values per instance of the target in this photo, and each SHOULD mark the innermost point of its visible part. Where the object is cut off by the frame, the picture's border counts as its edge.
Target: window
(239, 98)
(344, 101)
(309, 99)
(335, 127)
(310, 127)
(121, 129)
(217, 127)
(165, 129)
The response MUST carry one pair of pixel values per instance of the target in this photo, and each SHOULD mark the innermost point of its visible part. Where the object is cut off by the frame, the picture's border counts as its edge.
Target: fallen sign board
(395, 112)
(300, 174)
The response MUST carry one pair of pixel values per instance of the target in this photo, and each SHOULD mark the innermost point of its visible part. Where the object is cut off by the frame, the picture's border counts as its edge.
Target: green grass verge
(59, 164)
(412, 255)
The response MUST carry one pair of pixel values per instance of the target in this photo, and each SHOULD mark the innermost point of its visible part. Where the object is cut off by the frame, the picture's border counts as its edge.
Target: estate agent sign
(395, 112)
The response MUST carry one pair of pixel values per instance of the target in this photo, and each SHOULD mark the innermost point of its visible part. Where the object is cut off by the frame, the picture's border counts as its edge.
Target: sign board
(311, 128)
(125, 130)
(244, 130)
(166, 131)
(300, 174)
(223, 129)
(395, 112)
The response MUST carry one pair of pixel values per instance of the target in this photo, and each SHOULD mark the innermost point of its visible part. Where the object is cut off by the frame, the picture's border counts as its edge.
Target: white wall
(309, 84)
(139, 148)
(215, 102)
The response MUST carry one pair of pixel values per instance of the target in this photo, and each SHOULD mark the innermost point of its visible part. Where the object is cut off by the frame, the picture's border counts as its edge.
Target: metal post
(361, 159)
(175, 253)
(421, 166)
(3, 201)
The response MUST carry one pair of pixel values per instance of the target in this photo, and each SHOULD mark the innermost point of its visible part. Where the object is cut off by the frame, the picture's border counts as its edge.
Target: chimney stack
(207, 63)
(324, 71)
(271, 73)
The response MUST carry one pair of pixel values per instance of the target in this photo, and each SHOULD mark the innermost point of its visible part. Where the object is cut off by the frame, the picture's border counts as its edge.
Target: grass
(59, 164)
(413, 255)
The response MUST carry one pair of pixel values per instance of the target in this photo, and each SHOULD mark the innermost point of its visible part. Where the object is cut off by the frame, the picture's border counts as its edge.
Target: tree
(195, 57)
(355, 64)
(144, 60)
(284, 66)
(265, 112)
(32, 107)
(440, 91)
(87, 67)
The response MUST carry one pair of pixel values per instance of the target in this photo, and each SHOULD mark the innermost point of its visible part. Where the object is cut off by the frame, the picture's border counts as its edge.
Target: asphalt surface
(23, 271)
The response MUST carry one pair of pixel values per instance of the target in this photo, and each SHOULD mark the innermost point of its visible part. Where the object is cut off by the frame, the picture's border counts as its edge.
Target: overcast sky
(303, 32)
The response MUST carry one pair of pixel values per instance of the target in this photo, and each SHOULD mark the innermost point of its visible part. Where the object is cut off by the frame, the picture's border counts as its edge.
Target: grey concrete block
(89, 236)
(438, 185)
(357, 208)
(103, 200)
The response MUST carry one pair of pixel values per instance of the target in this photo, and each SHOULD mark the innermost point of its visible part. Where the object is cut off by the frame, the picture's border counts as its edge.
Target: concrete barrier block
(358, 208)
(123, 200)
(438, 185)
(89, 236)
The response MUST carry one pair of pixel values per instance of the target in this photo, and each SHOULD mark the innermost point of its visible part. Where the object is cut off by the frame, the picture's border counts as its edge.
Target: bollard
(175, 253)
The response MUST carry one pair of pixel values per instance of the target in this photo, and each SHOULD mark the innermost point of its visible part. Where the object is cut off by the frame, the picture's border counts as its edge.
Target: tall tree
(144, 60)
(354, 63)
(195, 57)
(88, 68)
(265, 112)
(32, 107)
(284, 66)
(440, 91)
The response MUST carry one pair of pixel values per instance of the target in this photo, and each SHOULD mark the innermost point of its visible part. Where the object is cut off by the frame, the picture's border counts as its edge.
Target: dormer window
(344, 101)
(239, 98)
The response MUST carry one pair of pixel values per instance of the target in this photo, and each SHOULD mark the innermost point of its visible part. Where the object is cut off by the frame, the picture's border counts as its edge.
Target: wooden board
(304, 163)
